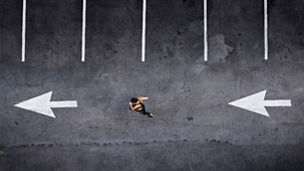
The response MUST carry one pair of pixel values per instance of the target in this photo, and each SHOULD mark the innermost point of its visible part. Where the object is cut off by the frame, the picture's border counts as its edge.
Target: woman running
(136, 104)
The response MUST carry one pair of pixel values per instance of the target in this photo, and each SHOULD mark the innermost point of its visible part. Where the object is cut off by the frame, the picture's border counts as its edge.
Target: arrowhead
(40, 104)
(254, 103)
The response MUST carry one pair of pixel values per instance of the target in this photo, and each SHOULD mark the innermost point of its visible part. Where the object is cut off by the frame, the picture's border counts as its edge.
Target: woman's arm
(131, 106)
(135, 107)
(141, 99)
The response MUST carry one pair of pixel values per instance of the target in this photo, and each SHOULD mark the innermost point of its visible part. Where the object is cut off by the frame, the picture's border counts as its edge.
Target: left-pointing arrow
(257, 103)
(43, 105)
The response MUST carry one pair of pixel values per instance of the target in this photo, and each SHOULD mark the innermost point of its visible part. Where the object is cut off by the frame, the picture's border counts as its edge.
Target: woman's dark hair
(134, 100)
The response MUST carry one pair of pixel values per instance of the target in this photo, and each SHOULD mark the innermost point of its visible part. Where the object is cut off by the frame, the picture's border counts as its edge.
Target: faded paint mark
(218, 49)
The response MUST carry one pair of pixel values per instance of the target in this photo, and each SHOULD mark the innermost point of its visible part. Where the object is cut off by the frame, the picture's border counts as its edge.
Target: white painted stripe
(83, 43)
(23, 30)
(144, 22)
(266, 28)
(277, 103)
(205, 32)
(63, 104)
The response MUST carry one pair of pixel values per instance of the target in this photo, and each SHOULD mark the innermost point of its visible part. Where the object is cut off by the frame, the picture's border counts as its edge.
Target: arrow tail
(277, 103)
(63, 104)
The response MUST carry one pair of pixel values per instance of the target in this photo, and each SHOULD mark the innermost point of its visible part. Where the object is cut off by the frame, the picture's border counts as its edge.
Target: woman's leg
(144, 112)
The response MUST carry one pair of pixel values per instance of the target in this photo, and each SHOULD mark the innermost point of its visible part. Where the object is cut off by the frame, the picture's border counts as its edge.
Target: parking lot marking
(144, 23)
(83, 42)
(257, 103)
(205, 31)
(23, 30)
(43, 105)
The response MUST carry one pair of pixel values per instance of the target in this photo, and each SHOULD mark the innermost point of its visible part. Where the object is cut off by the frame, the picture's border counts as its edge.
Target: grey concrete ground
(195, 128)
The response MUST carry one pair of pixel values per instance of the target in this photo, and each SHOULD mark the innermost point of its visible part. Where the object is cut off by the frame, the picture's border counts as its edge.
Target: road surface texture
(195, 128)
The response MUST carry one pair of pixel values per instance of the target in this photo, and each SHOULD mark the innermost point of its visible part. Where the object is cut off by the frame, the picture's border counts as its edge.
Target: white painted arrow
(43, 105)
(257, 103)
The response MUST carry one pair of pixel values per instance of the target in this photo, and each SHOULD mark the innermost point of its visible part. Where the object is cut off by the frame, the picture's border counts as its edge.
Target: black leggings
(143, 111)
